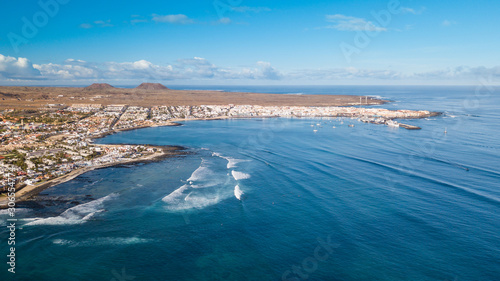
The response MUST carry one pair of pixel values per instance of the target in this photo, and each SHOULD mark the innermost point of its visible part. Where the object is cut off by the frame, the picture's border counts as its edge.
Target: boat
(315, 131)
(351, 125)
(392, 123)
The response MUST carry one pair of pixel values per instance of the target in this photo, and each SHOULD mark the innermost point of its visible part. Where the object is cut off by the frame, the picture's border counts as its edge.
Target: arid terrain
(153, 95)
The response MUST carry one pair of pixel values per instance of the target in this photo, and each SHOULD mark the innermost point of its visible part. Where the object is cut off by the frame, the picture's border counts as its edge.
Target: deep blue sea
(367, 202)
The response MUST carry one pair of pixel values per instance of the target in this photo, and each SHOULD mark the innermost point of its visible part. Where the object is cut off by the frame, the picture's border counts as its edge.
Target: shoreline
(29, 191)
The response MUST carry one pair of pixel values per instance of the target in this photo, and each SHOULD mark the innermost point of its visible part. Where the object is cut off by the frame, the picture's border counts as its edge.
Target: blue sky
(123, 42)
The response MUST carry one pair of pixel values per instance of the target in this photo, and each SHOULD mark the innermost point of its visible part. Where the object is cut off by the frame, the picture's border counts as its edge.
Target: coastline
(166, 151)
(32, 190)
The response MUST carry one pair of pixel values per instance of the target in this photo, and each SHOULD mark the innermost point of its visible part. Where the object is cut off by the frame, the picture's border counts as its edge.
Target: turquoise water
(362, 203)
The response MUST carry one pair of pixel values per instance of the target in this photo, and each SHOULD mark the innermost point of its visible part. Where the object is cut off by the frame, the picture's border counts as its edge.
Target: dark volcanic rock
(9, 95)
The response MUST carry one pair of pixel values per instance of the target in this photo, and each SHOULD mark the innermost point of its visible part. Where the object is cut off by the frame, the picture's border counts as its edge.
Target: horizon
(234, 85)
(250, 43)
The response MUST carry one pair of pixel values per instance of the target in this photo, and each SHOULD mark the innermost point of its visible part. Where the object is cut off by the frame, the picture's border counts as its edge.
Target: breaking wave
(76, 215)
(213, 181)
(231, 162)
(237, 192)
(5, 214)
(102, 241)
(206, 186)
(239, 175)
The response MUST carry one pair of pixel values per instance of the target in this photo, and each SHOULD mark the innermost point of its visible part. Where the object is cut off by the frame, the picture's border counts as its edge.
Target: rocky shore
(31, 190)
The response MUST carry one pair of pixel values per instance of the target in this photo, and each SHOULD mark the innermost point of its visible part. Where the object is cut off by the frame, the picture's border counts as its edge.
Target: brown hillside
(40, 97)
(99, 86)
(151, 86)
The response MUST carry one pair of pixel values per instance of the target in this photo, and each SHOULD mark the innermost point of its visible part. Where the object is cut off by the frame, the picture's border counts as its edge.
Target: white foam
(185, 198)
(377, 97)
(175, 197)
(231, 162)
(206, 175)
(239, 175)
(76, 215)
(102, 241)
(6, 212)
(208, 185)
(205, 187)
(237, 192)
(30, 219)
(199, 174)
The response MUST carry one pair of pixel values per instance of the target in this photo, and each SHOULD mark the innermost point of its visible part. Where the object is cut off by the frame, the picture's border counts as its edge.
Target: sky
(244, 42)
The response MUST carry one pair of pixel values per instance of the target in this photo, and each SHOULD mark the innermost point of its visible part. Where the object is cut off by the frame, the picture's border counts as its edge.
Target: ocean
(270, 199)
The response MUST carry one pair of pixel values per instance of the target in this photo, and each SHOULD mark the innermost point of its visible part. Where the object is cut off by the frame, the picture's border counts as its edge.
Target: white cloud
(17, 68)
(344, 74)
(137, 19)
(134, 21)
(246, 9)
(347, 23)
(223, 21)
(184, 69)
(65, 72)
(102, 23)
(197, 68)
(454, 74)
(98, 23)
(74, 61)
(461, 72)
(85, 25)
(177, 19)
(268, 72)
(173, 19)
(448, 23)
(406, 10)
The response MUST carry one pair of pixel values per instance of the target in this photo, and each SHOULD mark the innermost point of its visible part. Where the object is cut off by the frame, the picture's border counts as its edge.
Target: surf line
(237, 176)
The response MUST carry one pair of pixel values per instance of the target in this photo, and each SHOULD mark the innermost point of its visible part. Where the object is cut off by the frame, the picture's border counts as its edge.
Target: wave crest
(78, 214)
(102, 241)
(240, 175)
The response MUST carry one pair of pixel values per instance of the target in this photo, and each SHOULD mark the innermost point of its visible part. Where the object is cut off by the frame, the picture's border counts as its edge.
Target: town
(37, 146)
